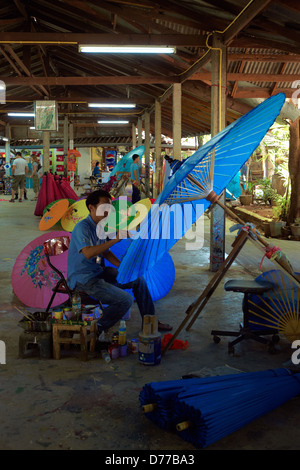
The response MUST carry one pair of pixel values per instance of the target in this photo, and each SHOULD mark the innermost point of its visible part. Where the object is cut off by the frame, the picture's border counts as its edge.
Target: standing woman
(35, 177)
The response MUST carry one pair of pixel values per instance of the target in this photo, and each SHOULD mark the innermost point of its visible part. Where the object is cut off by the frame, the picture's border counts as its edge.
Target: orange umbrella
(53, 214)
(74, 214)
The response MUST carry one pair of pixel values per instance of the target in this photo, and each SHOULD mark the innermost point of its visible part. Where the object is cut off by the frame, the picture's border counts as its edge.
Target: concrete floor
(69, 404)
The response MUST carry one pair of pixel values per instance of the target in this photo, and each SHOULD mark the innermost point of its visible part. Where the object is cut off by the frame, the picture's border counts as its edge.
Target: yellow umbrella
(53, 214)
(140, 209)
(76, 212)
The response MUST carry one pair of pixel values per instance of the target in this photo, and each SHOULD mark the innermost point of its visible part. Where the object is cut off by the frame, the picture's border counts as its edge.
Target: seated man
(88, 243)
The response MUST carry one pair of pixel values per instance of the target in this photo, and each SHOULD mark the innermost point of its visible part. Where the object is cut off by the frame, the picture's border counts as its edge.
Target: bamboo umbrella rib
(276, 310)
(266, 312)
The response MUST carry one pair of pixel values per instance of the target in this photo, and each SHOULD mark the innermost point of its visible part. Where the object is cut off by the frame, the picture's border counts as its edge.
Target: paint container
(149, 349)
(68, 314)
(58, 314)
(113, 350)
(123, 350)
(134, 345)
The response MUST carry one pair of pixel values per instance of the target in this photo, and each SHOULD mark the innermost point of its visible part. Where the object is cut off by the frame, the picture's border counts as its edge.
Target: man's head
(96, 199)
(135, 158)
(18, 154)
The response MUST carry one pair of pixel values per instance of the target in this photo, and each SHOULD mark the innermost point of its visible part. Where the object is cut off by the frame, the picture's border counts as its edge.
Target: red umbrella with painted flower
(33, 279)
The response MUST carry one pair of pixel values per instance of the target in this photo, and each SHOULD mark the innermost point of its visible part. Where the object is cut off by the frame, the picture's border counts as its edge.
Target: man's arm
(13, 170)
(111, 258)
(136, 178)
(93, 251)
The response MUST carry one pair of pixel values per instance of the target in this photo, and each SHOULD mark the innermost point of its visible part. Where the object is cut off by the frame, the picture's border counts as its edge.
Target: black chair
(245, 332)
(57, 246)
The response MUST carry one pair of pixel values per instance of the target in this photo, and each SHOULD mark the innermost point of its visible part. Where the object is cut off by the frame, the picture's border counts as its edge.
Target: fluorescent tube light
(21, 114)
(127, 49)
(110, 105)
(4, 138)
(113, 122)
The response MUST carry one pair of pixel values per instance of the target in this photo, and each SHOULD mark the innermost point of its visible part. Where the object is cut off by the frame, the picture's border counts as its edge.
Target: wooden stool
(29, 341)
(88, 334)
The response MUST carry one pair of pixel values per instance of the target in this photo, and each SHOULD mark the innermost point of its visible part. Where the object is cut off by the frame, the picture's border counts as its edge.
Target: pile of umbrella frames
(206, 409)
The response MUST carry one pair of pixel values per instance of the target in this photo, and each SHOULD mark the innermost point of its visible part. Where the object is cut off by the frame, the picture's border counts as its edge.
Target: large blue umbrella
(158, 399)
(160, 278)
(127, 159)
(277, 308)
(195, 185)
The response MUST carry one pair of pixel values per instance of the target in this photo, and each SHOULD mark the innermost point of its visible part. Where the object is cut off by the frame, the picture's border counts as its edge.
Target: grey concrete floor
(70, 404)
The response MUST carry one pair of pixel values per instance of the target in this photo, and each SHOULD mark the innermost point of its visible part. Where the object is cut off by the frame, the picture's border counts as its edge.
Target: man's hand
(122, 234)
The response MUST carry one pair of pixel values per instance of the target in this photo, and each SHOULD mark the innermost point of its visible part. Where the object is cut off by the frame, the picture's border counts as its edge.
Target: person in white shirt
(19, 169)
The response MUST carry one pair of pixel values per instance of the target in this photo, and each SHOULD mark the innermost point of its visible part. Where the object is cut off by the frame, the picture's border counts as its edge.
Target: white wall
(84, 163)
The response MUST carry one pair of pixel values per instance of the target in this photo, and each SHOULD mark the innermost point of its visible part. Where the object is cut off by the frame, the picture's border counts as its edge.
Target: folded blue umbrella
(127, 159)
(161, 396)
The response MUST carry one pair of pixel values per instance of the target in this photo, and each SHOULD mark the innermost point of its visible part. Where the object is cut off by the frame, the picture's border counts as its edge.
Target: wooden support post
(158, 156)
(66, 145)
(147, 154)
(46, 151)
(218, 122)
(133, 136)
(7, 143)
(140, 130)
(177, 121)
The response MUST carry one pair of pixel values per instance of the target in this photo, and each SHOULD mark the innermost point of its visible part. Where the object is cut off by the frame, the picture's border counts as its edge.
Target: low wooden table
(87, 332)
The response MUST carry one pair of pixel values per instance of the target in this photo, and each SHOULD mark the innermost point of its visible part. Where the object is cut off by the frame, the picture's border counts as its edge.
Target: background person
(19, 170)
(135, 179)
(35, 177)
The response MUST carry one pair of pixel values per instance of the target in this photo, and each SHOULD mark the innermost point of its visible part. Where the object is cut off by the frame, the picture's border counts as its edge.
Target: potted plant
(247, 198)
(279, 214)
(295, 228)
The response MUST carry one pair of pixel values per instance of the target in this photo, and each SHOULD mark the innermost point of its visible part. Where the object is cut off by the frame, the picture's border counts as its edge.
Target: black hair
(94, 197)
(136, 155)
(97, 163)
(19, 153)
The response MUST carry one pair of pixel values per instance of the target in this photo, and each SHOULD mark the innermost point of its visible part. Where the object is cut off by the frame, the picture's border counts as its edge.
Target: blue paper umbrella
(160, 278)
(159, 399)
(213, 411)
(128, 160)
(195, 185)
(277, 308)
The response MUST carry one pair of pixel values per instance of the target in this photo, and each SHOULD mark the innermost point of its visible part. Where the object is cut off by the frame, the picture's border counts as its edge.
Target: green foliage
(269, 193)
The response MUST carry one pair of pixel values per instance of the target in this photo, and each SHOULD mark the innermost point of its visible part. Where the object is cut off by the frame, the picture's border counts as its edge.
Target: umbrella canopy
(76, 212)
(53, 214)
(159, 279)
(128, 160)
(158, 399)
(277, 308)
(71, 201)
(208, 413)
(195, 185)
(33, 279)
(121, 214)
(140, 209)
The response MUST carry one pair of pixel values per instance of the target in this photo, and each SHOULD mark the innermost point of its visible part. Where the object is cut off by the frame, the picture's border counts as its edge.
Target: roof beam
(256, 57)
(243, 20)
(144, 79)
(136, 39)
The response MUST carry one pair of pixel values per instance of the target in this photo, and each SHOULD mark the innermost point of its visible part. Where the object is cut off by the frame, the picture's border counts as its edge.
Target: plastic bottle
(105, 355)
(122, 333)
(76, 305)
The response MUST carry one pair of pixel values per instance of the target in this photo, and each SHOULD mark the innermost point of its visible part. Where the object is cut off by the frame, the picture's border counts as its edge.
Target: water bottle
(122, 333)
(105, 355)
(76, 305)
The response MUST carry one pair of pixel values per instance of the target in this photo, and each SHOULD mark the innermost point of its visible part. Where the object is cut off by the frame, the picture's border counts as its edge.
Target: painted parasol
(33, 279)
(158, 399)
(71, 201)
(121, 214)
(74, 214)
(195, 185)
(140, 210)
(128, 160)
(278, 308)
(53, 214)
